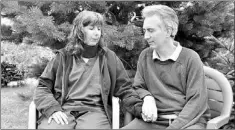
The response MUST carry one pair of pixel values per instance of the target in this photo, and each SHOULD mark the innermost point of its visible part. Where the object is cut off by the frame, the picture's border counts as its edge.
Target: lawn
(14, 111)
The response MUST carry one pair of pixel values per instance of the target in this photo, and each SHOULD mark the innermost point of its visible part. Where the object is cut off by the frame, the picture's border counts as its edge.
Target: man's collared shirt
(174, 56)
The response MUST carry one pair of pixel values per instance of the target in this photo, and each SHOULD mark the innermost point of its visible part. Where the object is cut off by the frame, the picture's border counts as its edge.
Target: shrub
(26, 57)
(9, 73)
(223, 60)
(6, 30)
(35, 70)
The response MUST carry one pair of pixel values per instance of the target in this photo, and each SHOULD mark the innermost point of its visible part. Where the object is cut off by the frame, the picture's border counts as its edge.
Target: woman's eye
(91, 27)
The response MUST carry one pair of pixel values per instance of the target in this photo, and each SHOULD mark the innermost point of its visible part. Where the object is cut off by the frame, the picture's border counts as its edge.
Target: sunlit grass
(14, 111)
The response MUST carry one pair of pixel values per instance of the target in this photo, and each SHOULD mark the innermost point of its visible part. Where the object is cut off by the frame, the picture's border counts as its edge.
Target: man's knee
(138, 124)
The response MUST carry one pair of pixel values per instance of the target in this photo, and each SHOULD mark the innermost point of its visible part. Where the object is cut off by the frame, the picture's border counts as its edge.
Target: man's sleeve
(196, 95)
(43, 96)
(125, 92)
(139, 81)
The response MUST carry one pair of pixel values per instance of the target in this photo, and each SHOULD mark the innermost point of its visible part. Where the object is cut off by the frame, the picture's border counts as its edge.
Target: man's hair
(76, 36)
(167, 14)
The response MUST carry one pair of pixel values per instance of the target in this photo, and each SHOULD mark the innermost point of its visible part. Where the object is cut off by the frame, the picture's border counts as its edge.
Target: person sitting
(76, 88)
(171, 75)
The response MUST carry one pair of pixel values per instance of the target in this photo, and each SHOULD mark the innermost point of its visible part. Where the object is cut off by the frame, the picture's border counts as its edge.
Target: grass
(14, 111)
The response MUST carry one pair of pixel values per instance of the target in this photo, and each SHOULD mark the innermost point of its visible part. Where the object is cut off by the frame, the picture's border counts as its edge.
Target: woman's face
(92, 34)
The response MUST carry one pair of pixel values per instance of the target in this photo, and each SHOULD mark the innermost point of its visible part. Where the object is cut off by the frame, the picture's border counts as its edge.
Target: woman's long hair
(76, 36)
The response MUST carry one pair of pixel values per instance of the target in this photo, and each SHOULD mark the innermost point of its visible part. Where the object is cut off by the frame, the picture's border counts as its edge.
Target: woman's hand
(59, 117)
(149, 109)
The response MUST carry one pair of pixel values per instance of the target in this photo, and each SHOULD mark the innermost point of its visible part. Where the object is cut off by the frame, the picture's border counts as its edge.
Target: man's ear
(169, 31)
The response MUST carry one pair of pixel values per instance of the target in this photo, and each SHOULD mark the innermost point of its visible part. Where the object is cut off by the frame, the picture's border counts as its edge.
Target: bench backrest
(220, 95)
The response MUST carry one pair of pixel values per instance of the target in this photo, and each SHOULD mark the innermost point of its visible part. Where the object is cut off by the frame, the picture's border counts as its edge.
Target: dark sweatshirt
(51, 92)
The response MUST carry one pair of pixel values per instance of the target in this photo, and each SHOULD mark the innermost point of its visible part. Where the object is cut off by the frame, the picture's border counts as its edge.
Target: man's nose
(146, 35)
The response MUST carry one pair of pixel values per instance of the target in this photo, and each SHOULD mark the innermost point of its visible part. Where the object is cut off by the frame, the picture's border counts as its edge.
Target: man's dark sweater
(177, 86)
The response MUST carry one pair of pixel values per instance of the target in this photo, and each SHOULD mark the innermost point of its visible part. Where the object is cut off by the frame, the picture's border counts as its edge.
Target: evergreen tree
(48, 23)
(200, 22)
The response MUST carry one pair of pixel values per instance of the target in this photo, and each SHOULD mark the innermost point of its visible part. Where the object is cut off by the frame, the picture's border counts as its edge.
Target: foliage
(223, 57)
(223, 60)
(130, 57)
(124, 36)
(6, 30)
(9, 73)
(127, 41)
(36, 69)
(25, 57)
(48, 23)
(31, 22)
(7, 33)
(44, 22)
(199, 20)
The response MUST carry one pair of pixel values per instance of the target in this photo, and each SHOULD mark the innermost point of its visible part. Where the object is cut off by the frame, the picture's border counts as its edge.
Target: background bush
(48, 23)
(28, 59)
(9, 72)
(6, 30)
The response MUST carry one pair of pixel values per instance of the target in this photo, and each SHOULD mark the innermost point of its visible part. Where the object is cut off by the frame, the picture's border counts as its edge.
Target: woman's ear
(80, 34)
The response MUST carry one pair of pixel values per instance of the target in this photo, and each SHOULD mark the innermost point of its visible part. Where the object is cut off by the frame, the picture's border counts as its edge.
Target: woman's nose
(97, 31)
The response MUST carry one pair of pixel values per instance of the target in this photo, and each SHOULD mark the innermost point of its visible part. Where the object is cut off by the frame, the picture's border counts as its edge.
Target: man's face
(154, 31)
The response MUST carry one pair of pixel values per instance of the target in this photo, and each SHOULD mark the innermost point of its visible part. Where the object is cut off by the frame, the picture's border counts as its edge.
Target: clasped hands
(149, 109)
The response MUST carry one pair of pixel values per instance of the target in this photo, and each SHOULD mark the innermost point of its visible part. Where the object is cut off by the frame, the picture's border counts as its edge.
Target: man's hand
(59, 117)
(149, 109)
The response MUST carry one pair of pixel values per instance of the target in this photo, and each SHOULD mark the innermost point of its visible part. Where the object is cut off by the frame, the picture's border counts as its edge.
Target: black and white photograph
(73, 64)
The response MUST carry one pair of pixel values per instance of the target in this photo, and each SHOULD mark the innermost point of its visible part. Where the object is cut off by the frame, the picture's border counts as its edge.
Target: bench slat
(215, 105)
(216, 95)
(214, 113)
(211, 84)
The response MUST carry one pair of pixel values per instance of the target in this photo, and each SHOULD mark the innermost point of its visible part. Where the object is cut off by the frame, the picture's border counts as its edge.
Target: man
(169, 77)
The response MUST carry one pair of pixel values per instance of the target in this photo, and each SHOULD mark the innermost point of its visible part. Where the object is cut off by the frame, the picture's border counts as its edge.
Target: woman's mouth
(95, 39)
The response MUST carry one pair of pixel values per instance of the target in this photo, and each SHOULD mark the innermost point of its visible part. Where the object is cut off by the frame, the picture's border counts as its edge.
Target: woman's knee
(43, 124)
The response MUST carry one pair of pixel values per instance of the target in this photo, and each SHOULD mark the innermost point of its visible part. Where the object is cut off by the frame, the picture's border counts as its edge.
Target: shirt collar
(174, 56)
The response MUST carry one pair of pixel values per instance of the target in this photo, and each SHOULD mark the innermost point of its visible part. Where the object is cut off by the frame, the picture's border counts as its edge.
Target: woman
(76, 88)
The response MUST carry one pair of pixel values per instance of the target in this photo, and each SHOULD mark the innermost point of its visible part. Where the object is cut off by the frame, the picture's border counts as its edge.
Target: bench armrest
(217, 122)
(32, 116)
(116, 112)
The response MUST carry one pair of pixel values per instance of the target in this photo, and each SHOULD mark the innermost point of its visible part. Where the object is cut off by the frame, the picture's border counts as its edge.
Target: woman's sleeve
(43, 96)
